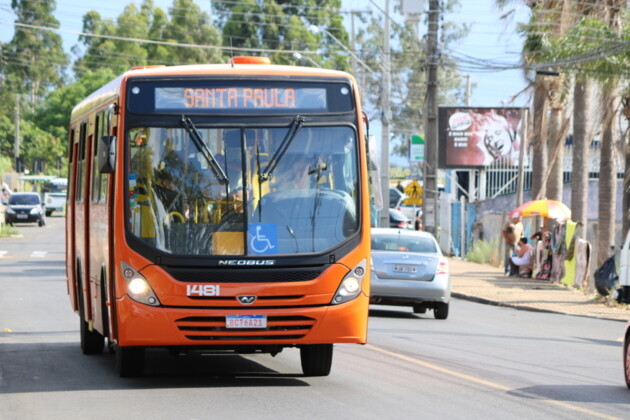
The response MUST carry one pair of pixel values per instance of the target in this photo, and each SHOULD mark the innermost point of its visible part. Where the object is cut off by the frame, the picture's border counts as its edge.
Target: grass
(483, 252)
(6, 230)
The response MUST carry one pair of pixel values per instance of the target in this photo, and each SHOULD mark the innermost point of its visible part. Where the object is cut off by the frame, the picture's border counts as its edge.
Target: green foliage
(483, 252)
(6, 230)
(36, 68)
(408, 74)
(34, 60)
(54, 116)
(6, 163)
(286, 26)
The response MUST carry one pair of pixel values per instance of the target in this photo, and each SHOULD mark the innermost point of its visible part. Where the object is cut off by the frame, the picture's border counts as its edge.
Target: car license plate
(246, 321)
(22, 216)
(401, 268)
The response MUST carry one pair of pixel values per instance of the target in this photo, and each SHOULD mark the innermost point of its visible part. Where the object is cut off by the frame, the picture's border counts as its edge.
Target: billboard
(480, 137)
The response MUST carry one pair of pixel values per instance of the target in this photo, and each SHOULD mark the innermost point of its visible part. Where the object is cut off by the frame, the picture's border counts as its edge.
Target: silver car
(408, 269)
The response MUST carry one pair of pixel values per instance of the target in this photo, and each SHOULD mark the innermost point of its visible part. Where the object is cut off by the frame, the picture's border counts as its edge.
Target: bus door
(70, 221)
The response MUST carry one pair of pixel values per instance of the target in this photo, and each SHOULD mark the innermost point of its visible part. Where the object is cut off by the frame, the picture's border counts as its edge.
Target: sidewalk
(487, 284)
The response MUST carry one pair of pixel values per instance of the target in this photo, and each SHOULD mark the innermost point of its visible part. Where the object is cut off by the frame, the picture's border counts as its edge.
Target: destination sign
(240, 98)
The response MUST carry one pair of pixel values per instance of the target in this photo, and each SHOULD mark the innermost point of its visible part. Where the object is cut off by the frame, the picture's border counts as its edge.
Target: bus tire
(316, 359)
(92, 342)
(129, 361)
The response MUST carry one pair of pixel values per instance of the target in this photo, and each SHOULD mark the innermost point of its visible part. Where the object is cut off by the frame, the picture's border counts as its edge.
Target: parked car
(55, 192)
(408, 269)
(25, 207)
(399, 220)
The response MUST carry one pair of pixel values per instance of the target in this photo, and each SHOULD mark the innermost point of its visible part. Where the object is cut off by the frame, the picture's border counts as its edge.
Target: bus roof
(111, 89)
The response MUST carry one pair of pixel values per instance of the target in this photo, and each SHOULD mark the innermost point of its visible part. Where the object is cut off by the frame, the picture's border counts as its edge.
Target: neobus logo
(247, 262)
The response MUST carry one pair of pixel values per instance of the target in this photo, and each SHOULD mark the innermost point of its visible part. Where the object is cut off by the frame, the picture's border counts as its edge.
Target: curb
(525, 308)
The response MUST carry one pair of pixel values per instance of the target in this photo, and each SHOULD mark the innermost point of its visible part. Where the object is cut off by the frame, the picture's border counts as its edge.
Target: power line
(150, 41)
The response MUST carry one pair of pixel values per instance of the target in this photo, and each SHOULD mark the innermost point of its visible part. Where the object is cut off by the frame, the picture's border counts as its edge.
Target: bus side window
(80, 187)
(96, 176)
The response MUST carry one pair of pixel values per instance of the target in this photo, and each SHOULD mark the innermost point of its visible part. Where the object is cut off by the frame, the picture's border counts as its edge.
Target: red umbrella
(550, 209)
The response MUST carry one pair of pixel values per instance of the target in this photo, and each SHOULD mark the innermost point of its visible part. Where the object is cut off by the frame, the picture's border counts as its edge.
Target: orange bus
(219, 207)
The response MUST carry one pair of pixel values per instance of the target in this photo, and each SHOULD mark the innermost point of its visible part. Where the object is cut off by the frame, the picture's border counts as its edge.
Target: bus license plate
(246, 321)
(399, 268)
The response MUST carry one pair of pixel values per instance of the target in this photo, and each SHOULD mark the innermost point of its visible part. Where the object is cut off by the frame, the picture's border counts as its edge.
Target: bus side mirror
(106, 154)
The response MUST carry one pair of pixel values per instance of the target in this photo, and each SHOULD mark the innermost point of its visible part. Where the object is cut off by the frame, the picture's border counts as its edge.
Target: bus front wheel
(129, 361)
(316, 359)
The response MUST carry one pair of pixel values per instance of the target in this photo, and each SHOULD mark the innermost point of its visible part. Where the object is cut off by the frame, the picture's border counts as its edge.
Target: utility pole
(430, 211)
(385, 119)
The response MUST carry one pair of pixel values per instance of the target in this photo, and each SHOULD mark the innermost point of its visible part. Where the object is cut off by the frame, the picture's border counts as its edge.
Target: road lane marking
(490, 384)
(3, 253)
(39, 254)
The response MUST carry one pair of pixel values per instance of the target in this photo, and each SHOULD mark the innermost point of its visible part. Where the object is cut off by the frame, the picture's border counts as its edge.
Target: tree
(290, 26)
(35, 59)
(54, 115)
(155, 31)
(590, 49)
(408, 74)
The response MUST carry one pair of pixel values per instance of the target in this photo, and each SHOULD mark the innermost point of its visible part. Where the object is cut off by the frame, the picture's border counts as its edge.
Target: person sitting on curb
(521, 262)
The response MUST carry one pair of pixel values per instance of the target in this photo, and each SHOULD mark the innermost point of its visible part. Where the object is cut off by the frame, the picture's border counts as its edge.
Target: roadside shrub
(6, 230)
(485, 252)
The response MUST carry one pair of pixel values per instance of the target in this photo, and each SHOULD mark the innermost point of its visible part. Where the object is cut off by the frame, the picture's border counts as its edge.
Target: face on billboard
(479, 137)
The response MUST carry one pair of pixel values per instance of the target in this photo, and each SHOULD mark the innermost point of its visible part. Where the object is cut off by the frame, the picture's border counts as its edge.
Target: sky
(490, 41)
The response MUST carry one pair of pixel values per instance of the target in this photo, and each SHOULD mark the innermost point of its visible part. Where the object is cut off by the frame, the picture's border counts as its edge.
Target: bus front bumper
(147, 326)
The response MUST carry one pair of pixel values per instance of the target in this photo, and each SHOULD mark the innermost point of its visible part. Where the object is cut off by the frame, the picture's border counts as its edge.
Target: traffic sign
(414, 192)
(416, 148)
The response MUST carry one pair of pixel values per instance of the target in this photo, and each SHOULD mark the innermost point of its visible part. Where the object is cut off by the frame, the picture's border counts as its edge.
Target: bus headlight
(350, 286)
(138, 288)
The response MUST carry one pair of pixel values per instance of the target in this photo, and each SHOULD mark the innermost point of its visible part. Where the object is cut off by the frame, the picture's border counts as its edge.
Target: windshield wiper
(296, 124)
(203, 149)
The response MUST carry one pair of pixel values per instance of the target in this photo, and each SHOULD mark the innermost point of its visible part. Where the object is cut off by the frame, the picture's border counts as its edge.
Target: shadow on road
(46, 367)
(395, 313)
(576, 393)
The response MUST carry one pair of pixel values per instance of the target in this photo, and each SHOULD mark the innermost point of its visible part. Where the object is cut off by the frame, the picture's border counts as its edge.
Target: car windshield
(55, 187)
(24, 199)
(403, 243)
(233, 191)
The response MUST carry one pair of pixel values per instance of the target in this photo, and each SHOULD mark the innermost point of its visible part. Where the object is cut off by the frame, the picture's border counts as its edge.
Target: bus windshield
(243, 191)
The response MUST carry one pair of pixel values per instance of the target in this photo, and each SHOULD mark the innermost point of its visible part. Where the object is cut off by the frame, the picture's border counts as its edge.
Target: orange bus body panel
(135, 324)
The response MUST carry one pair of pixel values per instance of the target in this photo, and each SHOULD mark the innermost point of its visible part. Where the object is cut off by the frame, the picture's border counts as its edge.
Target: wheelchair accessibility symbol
(262, 239)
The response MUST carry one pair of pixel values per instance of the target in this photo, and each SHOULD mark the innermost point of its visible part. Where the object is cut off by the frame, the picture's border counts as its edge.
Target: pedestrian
(6, 192)
(521, 262)
(512, 232)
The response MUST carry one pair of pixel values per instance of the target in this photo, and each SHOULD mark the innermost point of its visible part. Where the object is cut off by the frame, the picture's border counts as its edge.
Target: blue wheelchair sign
(262, 239)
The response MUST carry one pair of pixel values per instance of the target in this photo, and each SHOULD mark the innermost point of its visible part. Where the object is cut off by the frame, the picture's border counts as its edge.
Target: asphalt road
(483, 362)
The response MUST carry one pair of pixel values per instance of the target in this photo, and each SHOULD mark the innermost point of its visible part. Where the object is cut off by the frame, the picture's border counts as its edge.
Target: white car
(55, 192)
(408, 269)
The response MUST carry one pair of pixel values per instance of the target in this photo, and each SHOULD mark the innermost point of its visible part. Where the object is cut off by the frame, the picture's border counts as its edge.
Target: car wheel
(626, 360)
(419, 308)
(41, 223)
(316, 359)
(441, 310)
(129, 361)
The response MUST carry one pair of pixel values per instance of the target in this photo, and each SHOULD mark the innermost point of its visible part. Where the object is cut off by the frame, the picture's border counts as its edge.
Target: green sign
(416, 148)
